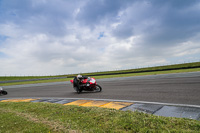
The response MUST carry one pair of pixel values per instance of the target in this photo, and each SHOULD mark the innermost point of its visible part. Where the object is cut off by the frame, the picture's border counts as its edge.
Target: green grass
(150, 69)
(7, 78)
(36, 82)
(105, 76)
(45, 117)
(179, 68)
(149, 73)
(10, 122)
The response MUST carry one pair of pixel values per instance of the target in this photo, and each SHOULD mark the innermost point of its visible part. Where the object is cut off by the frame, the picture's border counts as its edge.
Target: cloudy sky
(50, 37)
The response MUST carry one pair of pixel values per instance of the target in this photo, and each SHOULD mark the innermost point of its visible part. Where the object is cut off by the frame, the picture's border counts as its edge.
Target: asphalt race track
(181, 88)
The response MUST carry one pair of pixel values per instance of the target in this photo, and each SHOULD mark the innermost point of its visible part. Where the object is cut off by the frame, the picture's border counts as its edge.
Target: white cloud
(77, 36)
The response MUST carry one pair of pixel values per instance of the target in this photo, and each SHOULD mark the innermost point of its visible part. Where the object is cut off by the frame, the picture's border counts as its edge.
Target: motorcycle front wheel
(98, 88)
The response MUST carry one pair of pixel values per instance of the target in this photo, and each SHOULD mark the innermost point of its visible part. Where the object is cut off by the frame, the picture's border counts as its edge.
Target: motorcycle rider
(84, 83)
(78, 79)
(2, 91)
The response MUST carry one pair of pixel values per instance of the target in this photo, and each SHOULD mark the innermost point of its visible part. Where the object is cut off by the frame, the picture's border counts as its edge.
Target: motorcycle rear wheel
(98, 88)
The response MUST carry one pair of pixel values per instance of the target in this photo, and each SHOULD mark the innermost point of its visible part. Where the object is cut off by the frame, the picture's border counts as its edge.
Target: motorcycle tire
(78, 89)
(98, 88)
(4, 92)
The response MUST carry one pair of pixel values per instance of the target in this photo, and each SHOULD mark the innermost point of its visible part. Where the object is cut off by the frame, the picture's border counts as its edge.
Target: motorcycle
(86, 84)
(2, 91)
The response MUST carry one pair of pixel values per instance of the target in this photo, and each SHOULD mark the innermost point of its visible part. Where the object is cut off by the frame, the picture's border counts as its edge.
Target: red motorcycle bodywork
(84, 81)
(88, 84)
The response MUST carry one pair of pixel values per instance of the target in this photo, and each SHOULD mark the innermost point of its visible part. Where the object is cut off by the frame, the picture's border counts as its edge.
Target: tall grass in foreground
(45, 117)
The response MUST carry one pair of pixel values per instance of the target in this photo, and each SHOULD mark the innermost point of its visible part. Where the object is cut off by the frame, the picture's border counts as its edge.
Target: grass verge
(7, 78)
(149, 73)
(106, 76)
(45, 117)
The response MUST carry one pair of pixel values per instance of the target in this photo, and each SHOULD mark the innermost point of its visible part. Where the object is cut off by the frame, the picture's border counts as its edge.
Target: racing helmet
(79, 76)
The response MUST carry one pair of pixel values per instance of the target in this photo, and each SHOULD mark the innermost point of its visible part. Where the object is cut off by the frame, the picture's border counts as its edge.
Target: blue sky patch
(101, 34)
(2, 55)
(3, 38)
